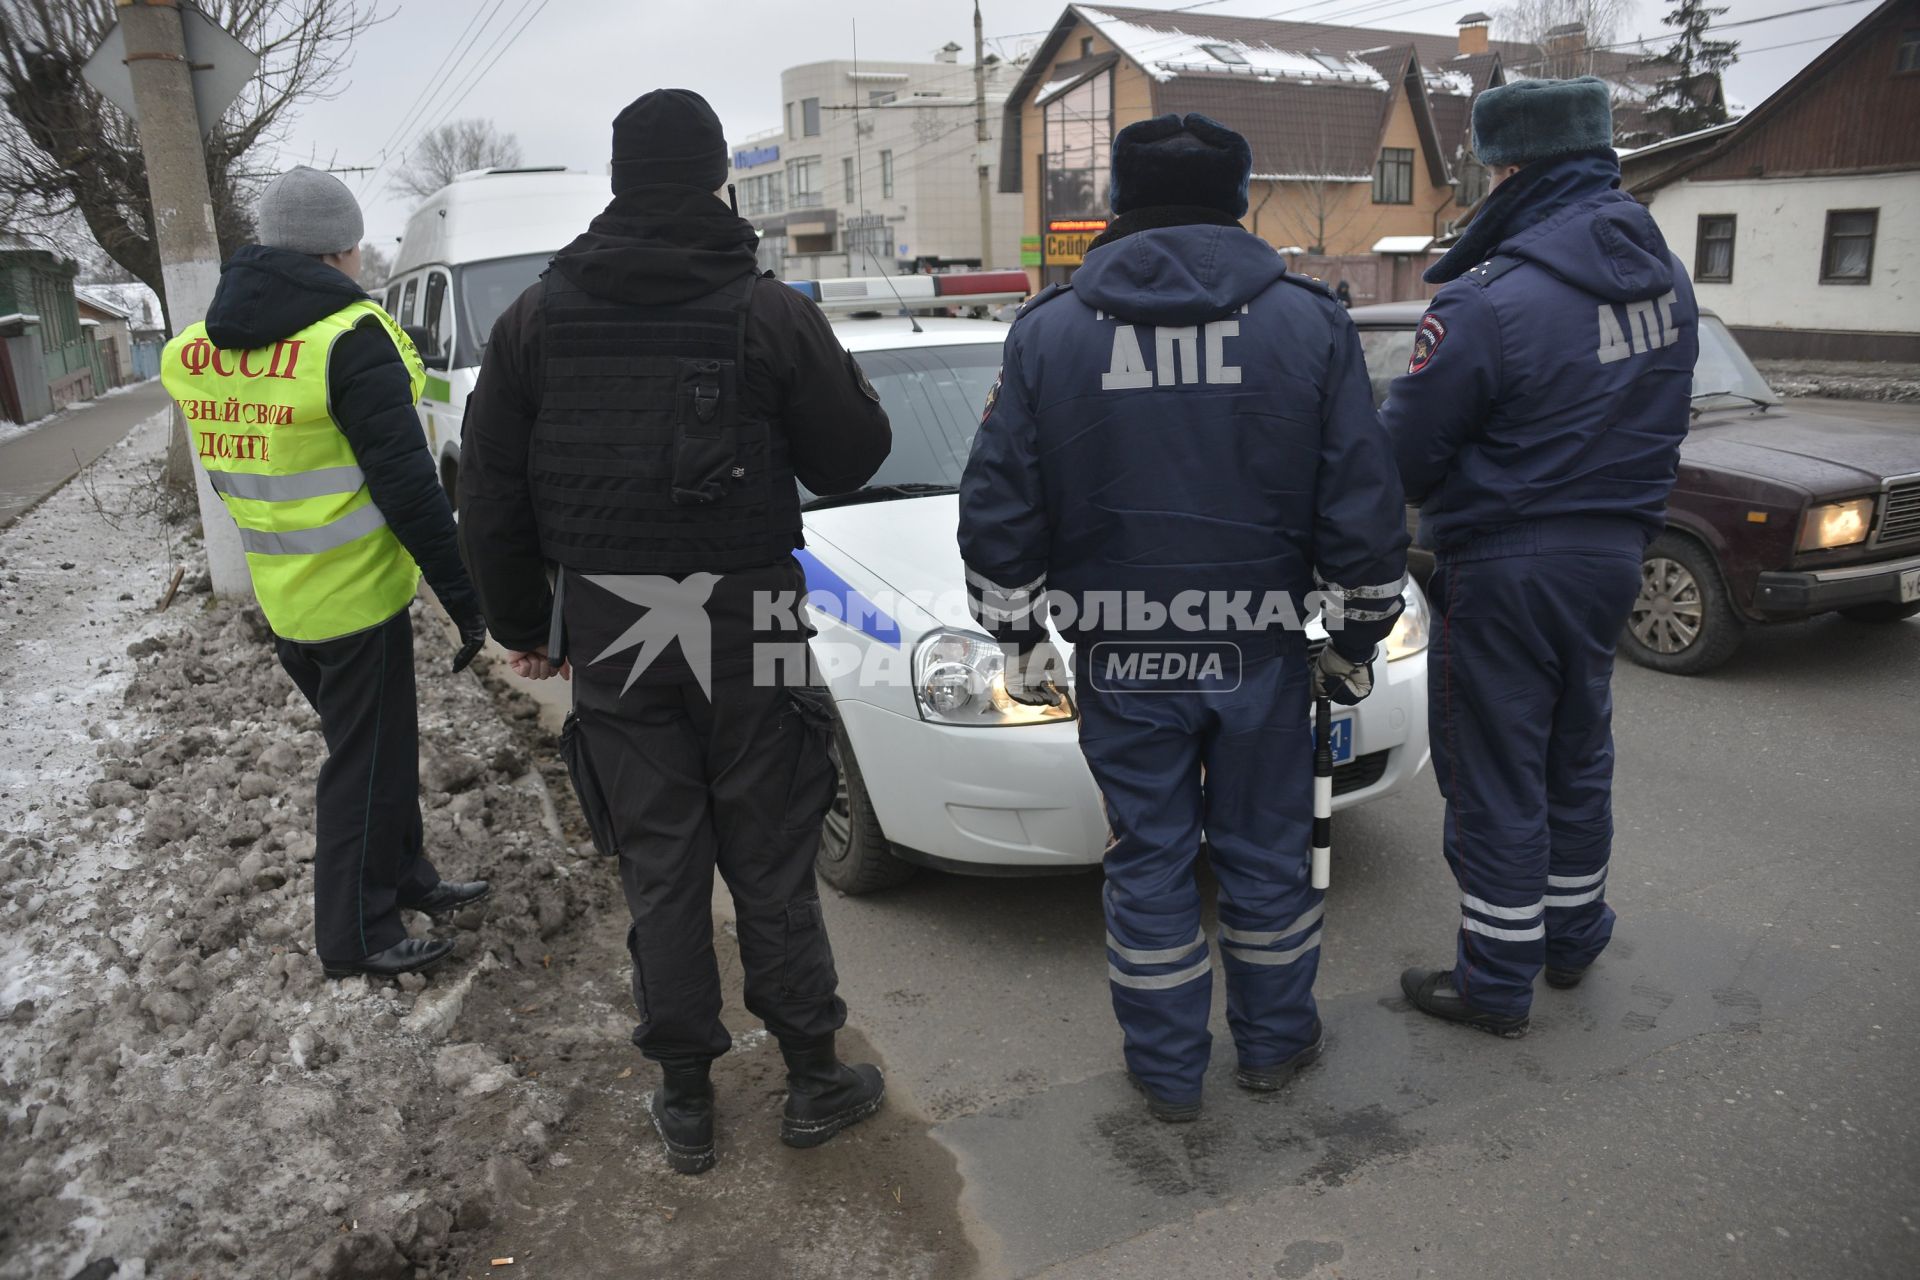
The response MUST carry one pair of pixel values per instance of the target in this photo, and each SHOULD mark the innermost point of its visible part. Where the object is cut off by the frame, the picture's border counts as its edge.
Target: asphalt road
(1730, 1093)
(35, 464)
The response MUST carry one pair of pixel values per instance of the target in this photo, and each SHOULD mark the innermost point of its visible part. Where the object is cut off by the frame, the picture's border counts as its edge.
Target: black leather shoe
(824, 1094)
(1281, 1074)
(449, 896)
(1564, 978)
(1162, 1110)
(1431, 991)
(682, 1112)
(415, 955)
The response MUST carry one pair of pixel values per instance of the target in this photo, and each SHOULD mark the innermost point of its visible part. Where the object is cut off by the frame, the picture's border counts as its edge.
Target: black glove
(466, 615)
(1339, 680)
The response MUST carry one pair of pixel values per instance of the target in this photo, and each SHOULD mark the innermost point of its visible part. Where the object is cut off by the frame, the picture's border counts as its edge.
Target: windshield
(1723, 376)
(486, 289)
(934, 397)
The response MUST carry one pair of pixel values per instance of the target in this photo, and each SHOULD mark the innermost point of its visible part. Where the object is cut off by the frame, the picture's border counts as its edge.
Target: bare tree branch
(451, 150)
(66, 152)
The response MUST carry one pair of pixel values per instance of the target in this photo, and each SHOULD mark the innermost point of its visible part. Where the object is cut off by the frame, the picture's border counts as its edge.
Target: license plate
(1910, 586)
(1343, 739)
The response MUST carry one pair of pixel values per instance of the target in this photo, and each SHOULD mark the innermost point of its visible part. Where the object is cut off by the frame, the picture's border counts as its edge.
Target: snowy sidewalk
(38, 458)
(180, 1091)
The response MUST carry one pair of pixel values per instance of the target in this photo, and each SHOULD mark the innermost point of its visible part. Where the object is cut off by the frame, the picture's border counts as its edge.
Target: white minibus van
(468, 252)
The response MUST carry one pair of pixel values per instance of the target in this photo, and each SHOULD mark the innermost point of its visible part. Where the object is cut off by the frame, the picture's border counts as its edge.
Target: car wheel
(1681, 622)
(1882, 611)
(855, 857)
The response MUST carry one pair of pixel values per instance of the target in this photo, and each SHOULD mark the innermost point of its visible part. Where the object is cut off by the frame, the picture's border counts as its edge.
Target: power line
(473, 82)
(456, 53)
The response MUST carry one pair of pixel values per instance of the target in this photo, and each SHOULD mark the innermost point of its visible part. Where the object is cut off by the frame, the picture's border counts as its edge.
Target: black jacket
(266, 295)
(653, 245)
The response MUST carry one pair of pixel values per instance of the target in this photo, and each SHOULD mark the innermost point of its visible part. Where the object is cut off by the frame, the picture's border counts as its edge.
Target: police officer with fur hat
(642, 420)
(1180, 450)
(299, 392)
(1539, 426)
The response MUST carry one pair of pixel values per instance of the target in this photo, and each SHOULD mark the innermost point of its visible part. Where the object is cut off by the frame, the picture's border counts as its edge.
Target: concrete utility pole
(183, 225)
(980, 138)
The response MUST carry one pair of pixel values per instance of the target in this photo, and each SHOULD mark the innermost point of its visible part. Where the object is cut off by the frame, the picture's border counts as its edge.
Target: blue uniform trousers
(1521, 710)
(1231, 761)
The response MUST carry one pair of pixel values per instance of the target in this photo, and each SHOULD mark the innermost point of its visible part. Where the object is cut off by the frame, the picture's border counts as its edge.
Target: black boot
(1432, 992)
(449, 896)
(1280, 1074)
(1562, 979)
(415, 955)
(682, 1112)
(824, 1094)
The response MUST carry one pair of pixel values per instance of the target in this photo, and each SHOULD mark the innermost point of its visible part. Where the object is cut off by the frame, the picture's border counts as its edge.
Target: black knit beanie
(668, 136)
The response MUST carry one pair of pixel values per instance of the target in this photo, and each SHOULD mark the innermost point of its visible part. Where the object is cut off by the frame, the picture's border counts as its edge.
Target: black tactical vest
(645, 458)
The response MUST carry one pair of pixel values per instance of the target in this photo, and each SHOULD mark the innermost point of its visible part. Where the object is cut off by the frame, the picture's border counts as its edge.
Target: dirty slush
(182, 1094)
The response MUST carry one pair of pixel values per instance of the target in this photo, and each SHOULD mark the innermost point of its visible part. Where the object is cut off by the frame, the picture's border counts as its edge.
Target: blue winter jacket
(1186, 418)
(1552, 377)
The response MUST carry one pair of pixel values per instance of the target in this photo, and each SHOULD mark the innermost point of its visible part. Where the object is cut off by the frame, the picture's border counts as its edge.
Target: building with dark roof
(1361, 137)
(1800, 222)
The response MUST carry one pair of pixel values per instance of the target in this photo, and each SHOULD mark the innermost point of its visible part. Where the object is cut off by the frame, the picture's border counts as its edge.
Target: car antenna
(860, 179)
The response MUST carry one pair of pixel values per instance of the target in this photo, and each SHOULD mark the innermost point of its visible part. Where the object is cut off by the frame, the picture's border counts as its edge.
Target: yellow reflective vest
(323, 560)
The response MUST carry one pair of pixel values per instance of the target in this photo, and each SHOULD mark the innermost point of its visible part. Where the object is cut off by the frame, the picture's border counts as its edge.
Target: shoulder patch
(860, 379)
(993, 393)
(1426, 341)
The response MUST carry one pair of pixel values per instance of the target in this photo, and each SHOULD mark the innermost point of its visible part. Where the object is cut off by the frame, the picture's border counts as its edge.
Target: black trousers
(677, 784)
(367, 864)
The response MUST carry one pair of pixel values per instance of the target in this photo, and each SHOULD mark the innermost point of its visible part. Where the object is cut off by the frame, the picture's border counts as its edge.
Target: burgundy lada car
(1781, 511)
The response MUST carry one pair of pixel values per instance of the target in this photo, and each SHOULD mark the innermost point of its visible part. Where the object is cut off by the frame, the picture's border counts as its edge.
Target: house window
(880, 97)
(1847, 257)
(1713, 250)
(1907, 56)
(812, 244)
(1226, 53)
(1077, 149)
(803, 184)
(790, 120)
(810, 117)
(886, 175)
(1086, 46)
(1393, 177)
(846, 172)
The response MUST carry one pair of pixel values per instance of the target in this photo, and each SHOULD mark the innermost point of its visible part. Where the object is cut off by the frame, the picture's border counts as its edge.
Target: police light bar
(915, 293)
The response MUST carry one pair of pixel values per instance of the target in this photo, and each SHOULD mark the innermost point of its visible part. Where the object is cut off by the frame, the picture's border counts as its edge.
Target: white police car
(937, 766)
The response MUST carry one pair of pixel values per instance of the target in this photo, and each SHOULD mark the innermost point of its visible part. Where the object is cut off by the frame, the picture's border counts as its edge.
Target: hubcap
(1667, 614)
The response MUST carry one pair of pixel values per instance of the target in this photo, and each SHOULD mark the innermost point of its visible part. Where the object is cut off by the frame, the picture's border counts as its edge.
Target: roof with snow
(1310, 97)
(138, 304)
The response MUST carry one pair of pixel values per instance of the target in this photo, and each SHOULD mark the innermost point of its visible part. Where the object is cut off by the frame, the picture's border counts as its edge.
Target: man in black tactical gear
(641, 422)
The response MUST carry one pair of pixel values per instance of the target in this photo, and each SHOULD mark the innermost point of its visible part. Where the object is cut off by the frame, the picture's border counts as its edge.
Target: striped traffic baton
(1322, 792)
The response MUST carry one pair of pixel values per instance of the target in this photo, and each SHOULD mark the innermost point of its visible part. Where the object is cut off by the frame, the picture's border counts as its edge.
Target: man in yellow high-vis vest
(299, 392)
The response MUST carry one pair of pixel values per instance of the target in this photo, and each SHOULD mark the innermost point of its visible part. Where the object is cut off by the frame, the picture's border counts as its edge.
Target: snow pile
(1166, 52)
(1843, 379)
(182, 1091)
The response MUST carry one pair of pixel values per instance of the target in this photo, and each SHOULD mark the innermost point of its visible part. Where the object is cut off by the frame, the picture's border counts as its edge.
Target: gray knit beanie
(308, 211)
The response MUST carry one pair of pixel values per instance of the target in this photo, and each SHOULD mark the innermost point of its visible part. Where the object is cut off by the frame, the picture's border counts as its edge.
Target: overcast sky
(558, 83)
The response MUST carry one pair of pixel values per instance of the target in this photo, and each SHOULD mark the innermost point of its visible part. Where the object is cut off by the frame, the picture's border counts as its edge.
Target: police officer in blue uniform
(1180, 449)
(1539, 427)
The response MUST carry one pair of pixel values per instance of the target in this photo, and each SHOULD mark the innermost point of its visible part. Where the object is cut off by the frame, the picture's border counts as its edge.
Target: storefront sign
(757, 156)
(1068, 239)
(1029, 251)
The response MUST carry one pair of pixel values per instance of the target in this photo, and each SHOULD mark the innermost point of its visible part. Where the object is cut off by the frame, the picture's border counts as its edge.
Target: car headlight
(1410, 633)
(958, 678)
(1837, 524)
